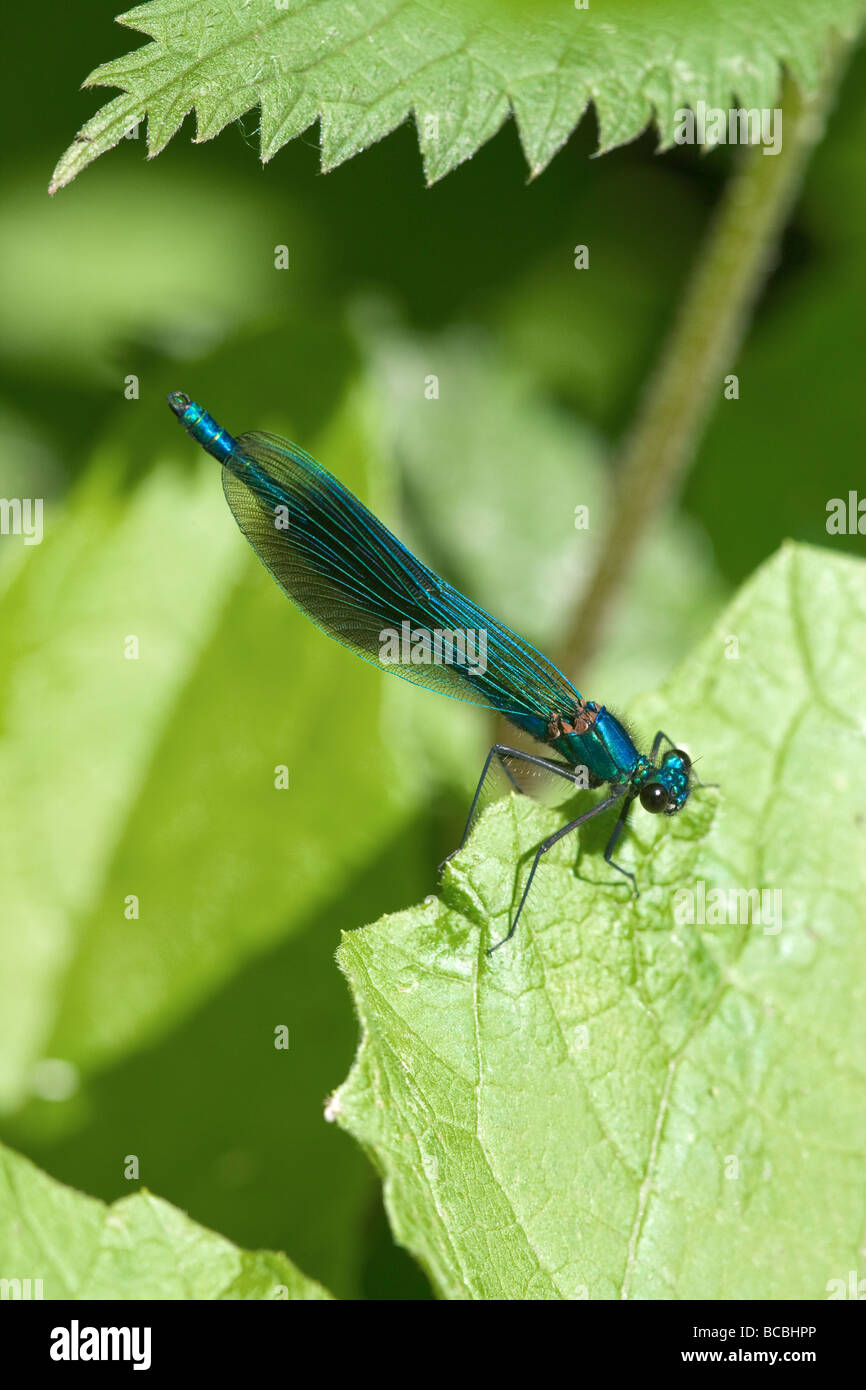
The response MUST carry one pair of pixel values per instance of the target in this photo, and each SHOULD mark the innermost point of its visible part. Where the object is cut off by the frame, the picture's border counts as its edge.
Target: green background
(156, 778)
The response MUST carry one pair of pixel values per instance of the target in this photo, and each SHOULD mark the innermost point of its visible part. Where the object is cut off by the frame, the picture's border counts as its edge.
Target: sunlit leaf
(659, 1097)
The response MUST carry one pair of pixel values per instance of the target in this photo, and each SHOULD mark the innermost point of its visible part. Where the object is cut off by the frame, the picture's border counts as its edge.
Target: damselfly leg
(499, 752)
(551, 840)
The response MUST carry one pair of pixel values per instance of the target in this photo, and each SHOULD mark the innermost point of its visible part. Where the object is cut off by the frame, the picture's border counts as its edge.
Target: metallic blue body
(606, 749)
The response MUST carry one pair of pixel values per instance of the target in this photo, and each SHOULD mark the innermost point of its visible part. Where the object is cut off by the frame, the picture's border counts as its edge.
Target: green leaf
(459, 69)
(137, 1248)
(621, 1103)
(70, 611)
(119, 763)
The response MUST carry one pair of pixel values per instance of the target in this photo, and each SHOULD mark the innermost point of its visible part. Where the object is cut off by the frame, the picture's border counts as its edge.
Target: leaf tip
(333, 1107)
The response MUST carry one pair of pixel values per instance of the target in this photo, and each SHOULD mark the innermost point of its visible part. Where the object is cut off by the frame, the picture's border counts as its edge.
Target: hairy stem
(739, 250)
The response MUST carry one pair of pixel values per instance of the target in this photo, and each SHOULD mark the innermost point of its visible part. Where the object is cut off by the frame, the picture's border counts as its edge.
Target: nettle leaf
(139, 1247)
(460, 69)
(624, 1102)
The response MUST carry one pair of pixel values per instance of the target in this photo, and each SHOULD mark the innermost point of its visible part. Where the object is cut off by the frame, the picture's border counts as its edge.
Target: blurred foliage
(156, 777)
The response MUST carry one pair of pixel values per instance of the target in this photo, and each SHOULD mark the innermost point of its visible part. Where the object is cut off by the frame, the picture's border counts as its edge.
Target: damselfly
(361, 585)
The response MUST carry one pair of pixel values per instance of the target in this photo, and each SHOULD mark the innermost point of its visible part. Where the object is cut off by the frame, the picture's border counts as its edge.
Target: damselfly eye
(654, 797)
(683, 757)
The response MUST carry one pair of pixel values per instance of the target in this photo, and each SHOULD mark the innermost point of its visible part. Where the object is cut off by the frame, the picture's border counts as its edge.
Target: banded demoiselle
(346, 571)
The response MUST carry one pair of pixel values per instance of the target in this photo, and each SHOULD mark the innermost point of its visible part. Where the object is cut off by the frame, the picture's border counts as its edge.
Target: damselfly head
(667, 788)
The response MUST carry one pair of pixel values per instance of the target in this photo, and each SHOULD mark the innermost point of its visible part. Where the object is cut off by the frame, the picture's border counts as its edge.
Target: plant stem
(687, 382)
